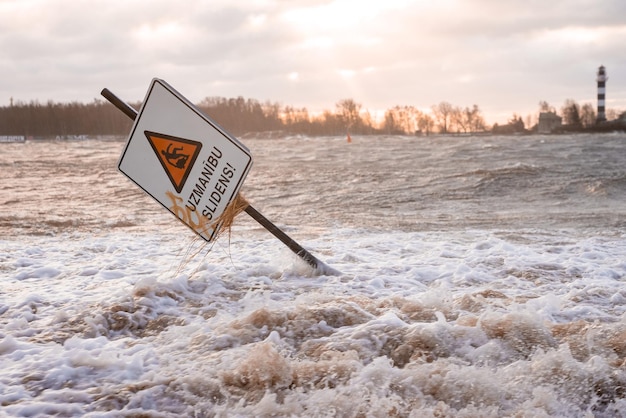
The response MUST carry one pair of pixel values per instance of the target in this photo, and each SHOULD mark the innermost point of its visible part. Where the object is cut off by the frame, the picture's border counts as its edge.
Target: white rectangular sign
(183, 159)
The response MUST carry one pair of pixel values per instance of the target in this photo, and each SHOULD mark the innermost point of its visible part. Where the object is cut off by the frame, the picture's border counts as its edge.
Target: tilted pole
(255, 214)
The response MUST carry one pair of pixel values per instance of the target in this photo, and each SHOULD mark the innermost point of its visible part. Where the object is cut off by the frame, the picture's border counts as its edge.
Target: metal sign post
(256, 215)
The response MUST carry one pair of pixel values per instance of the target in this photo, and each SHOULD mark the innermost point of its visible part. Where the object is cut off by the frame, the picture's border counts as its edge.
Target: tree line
(240, 116)
(52, 119)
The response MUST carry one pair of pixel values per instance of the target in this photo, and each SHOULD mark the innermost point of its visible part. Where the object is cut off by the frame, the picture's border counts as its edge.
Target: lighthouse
(601, 79)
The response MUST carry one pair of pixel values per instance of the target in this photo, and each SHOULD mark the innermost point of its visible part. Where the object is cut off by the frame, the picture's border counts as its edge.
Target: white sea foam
(142, 319)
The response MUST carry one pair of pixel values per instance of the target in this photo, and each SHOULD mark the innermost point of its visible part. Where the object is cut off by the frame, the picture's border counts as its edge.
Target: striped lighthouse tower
(601, 79)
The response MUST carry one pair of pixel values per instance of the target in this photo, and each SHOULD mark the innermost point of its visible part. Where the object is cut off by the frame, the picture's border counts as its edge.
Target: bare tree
(587, 115)
(367, 122)
(442, 113)
(348, 112)
(468, 119)
(545, 107)
(296, 120)
(407, 120)
(392, 124)
(516, 123)
(425, 123)
(612, 114)
(476, 120)
(571, 113)
(457, 120)
(529, 121)
(289, 115)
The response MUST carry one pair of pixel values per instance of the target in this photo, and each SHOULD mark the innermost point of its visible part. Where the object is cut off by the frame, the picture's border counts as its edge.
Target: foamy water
(480, 277)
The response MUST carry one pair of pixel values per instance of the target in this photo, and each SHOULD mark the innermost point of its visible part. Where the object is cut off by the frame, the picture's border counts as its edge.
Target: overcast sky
(502, 55)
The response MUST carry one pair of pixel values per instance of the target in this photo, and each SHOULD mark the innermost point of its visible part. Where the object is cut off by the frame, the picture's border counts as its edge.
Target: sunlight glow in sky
(503, 56)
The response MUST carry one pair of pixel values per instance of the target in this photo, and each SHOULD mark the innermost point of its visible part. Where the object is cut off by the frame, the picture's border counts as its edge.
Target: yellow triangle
(176, 155)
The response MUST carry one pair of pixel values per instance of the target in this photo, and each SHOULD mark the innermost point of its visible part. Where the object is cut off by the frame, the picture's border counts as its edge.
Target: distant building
(618, 124)
(548, 121)
(12, 138)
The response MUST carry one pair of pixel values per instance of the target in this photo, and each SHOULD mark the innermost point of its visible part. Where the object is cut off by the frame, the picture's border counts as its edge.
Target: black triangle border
(176, 139)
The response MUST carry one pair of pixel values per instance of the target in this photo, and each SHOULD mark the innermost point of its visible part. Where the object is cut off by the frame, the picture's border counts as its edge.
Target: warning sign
(183, 159)
(177, 156)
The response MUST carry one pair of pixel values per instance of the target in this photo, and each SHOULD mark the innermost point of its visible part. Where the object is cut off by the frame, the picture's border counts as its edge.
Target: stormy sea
(479, 276)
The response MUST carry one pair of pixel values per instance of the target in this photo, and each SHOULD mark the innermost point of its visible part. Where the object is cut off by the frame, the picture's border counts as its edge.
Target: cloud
(504, 56)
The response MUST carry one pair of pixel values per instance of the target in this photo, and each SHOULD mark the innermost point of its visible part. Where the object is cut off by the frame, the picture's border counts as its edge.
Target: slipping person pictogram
(173, 157)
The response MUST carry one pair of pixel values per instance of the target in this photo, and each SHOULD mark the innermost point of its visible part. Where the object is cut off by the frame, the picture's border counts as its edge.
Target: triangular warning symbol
(176, 155)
